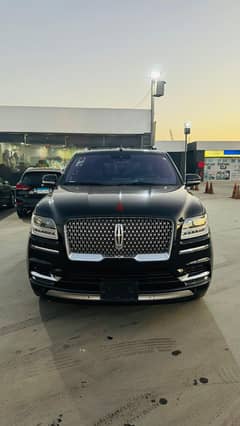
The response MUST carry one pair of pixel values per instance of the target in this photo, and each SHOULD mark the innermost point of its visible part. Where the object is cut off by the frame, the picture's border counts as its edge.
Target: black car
(30, 188)
(7, 197)
(193, 179)
(120, 226)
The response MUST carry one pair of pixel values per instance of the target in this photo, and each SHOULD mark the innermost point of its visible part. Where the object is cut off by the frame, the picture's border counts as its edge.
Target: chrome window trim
(194, 249)
(92, 257)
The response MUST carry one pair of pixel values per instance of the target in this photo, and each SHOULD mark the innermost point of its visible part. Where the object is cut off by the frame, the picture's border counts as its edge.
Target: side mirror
(6, 182)
(50, 180)
(192, 180)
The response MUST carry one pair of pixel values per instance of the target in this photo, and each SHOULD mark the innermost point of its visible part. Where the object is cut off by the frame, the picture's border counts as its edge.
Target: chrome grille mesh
(96, 236)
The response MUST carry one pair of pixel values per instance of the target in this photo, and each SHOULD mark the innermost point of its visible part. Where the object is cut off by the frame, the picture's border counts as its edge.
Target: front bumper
(123, 280)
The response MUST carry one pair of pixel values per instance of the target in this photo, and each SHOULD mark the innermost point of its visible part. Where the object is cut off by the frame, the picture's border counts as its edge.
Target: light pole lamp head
(155, 75)
(160, 88)
(158, 85)
(187, 128)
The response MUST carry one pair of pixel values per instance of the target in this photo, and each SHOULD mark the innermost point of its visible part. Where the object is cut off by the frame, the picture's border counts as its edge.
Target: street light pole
(152, 110)
(157, 90)
(187, 131)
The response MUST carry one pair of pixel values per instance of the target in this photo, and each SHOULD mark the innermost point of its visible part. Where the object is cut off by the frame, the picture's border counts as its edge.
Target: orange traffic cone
(234, 191)
(211, 188)
(207, 188)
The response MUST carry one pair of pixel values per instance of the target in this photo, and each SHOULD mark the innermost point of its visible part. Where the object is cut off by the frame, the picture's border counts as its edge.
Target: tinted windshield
(121, 168)
(35, 178)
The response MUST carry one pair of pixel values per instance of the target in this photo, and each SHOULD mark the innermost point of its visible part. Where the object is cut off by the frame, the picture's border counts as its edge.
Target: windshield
(120, 168)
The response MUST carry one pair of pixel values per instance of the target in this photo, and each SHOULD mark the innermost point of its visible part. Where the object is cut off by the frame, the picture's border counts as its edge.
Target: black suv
(120, 226)
(30, 188)
(6, 194)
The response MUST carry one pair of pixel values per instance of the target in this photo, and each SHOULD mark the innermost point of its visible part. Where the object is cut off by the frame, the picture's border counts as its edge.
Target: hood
(75, 201)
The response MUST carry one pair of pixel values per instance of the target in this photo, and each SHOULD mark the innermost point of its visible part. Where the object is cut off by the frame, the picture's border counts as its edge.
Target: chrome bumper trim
(76, 296)
(50, 277)
(84, 257)
(187, 277)
(44, 249)
(141, 297)
(164, 296)
(156, 257)
(202, 260)
(194, 249)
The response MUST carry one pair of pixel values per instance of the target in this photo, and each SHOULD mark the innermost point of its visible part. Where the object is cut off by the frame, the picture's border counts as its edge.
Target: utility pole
(187, 131)
(157, 90)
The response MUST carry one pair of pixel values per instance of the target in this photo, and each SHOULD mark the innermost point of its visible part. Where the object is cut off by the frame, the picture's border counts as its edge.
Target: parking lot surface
(67, 363)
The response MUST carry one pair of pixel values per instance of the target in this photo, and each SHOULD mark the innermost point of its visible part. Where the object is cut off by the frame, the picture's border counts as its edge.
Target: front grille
(98, 236)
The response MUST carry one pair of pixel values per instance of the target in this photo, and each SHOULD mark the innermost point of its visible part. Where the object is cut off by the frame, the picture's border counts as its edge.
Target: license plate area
(41, 190)
(119, 291)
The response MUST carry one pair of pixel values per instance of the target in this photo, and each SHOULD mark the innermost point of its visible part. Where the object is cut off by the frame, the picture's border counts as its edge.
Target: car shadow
(26, 219)
(5, 212)
(117, 361)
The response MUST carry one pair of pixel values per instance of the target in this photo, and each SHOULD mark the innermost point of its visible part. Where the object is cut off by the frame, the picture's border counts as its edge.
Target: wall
(170, 146)
(74, 120)
(217, 145)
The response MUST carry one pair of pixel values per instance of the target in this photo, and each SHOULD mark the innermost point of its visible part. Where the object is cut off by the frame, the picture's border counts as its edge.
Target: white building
(79, 123)
(52, 135)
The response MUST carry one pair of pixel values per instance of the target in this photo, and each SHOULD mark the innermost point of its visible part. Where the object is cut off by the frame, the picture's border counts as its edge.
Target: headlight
(195, 227)
(44, 227)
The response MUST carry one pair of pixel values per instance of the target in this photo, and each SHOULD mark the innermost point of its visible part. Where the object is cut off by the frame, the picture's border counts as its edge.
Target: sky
(100, 53)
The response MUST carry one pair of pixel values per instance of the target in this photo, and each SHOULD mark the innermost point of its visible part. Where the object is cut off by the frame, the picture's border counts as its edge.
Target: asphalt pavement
(73, 364)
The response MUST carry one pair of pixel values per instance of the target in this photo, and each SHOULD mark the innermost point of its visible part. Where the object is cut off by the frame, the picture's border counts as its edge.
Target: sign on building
(222, 169)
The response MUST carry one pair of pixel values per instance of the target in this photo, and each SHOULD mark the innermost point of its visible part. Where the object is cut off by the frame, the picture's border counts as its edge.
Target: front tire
(199, 292)
(21, 214)
(39, 291)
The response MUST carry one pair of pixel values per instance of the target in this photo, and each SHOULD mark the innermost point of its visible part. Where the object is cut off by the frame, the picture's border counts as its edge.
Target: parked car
(30, 189)
(7, 197)
(193, 179)
(120, 226)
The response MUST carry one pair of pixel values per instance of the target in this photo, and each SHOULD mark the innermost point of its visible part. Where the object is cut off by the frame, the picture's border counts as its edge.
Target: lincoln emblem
(118, 236)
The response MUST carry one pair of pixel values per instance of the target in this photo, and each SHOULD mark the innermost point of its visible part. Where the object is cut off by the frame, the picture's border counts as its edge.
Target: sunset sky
(100, 53)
